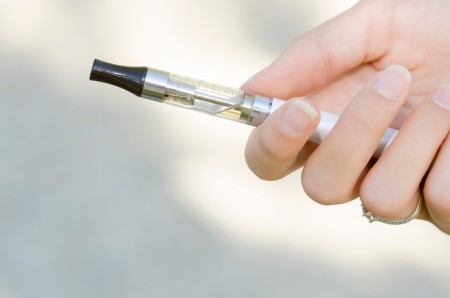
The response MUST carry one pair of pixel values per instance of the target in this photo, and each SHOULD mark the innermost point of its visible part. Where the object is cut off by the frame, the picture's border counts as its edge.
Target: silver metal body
(230, 103)
(206, 97)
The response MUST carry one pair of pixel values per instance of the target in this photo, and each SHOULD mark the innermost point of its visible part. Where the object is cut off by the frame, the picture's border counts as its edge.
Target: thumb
(279, 145)
(357, 36)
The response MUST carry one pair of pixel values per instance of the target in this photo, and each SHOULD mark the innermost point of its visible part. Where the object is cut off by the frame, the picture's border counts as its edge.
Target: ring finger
(390, 186)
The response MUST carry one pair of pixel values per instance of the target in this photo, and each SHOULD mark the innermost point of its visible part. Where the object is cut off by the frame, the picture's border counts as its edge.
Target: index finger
(322, 54)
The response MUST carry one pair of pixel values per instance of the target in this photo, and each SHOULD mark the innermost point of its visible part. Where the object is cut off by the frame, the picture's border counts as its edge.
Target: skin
(341, 67)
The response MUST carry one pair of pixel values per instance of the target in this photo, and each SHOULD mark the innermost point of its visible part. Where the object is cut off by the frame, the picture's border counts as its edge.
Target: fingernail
(393, 81)
(298, 117)
(441, 97)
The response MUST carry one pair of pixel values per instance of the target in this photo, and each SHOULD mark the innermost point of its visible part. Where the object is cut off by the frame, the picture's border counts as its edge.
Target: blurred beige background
(103, 194)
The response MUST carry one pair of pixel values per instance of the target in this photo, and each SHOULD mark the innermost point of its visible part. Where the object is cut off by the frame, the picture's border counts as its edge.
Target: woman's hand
(343, 68)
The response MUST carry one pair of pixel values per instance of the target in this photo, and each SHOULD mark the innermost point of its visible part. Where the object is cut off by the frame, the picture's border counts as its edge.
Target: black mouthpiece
(129, 78)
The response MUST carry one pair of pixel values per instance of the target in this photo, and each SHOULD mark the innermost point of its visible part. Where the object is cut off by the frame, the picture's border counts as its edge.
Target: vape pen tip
(128, 78)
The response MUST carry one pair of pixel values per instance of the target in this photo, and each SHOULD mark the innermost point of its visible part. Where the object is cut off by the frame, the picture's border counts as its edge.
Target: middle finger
(333, 172)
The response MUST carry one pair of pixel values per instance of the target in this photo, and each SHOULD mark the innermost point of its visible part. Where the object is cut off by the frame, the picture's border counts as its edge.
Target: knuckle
(376, 199)
(381, 199)
(321, 186)
(437, 196)
(443, 226)
(263, 160)
(275, 146)
(386, 200)
(360, 123)
(264, 174)
(261, 169)
(271, 151)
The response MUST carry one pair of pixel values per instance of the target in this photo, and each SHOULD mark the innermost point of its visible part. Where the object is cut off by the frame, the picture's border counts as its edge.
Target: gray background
(103, 194)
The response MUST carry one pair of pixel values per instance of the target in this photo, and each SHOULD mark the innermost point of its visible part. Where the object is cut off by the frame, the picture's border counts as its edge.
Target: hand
(342, 67)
